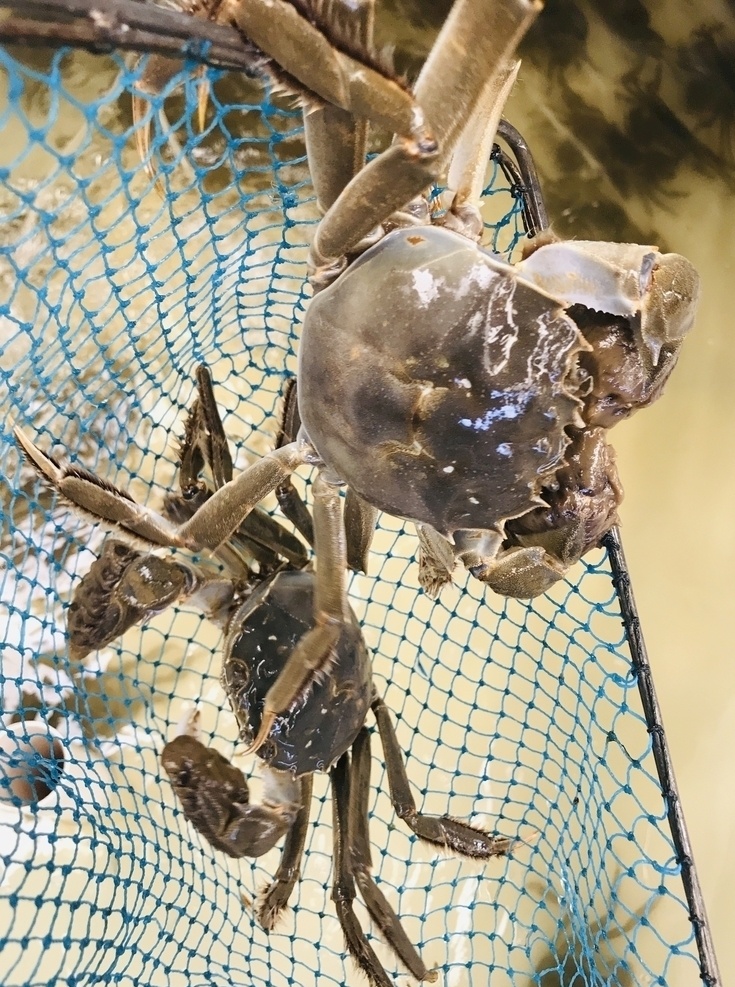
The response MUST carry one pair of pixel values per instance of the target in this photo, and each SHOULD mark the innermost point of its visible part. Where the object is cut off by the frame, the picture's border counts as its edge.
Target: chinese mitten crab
(322, 727)
(436, 381)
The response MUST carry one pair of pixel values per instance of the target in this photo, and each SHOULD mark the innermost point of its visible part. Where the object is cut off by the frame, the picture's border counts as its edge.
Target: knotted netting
(115, 283)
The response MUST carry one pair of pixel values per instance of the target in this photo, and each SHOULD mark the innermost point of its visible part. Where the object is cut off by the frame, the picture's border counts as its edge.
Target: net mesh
(522, 716)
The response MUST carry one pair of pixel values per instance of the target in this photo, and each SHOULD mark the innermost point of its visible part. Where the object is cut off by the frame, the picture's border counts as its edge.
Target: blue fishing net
(116, 281)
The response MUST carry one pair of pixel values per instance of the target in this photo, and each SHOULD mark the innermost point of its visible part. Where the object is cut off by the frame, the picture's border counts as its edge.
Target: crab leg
(361, 861)
(436, 559)
(101, 500)
(275, 897)
(360, 517)
(467, 171)
(360, 521)
(316, 53)
(205, 442)
(289, 500)
(478, 37)
(205, 446)
(343, 888)
(212, 523)
(336, 141)
(335, 144)
(331, 610)
(159, 71)
(442, 831)
(220, 516)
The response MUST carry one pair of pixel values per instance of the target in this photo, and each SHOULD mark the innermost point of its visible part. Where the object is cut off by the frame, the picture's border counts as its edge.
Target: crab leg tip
(530, 840)
(143, 143)
(202, 101)
(43, 463)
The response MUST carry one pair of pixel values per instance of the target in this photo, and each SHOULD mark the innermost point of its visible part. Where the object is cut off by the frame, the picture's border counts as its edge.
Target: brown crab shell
(437, 383)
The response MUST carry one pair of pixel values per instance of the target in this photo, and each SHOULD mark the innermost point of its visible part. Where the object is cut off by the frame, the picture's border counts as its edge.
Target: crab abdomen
(437, 383)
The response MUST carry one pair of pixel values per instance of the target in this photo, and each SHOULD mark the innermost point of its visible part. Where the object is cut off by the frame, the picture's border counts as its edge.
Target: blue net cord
(524, 717)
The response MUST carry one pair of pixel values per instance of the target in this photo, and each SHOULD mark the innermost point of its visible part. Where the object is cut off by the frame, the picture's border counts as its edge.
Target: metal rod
(621, 581)
(535, 217)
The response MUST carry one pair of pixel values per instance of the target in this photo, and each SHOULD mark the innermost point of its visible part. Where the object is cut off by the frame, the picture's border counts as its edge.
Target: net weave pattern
(524, 717)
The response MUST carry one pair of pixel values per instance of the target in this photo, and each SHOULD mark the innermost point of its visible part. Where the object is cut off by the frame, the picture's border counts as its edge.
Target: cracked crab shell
(438, 383)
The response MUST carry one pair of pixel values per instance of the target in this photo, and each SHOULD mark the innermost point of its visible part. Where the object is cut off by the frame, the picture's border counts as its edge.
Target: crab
(264, 614)
(437, 382)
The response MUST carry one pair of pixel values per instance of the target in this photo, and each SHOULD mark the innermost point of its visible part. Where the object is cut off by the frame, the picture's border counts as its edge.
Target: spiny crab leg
(213, 523)
(355, 835)
(220, 516)
(158, 72)
(275, 896)
(203, 92)
(478, 34)
(360, 521)
(345, 807)
(101, 500)
(318, 59)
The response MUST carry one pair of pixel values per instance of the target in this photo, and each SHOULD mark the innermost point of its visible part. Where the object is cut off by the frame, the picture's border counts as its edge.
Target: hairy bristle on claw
(270, 918)
(185, 442)
(281, 82)
(81, 474)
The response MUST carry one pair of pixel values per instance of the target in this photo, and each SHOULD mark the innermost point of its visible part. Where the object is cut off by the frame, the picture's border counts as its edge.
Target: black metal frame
(143, 27)
(709, 970)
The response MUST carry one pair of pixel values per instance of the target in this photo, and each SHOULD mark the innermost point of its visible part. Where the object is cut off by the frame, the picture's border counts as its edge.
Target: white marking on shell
(448, 469)
(501, 328)
(425, 285)
(478, 276)
(462, 382)
(506, 411)
(504, 449)
(476, 322)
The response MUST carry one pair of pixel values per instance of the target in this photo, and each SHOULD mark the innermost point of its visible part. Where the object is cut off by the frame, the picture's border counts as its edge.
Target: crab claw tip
(265, 728)
(143, 142)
